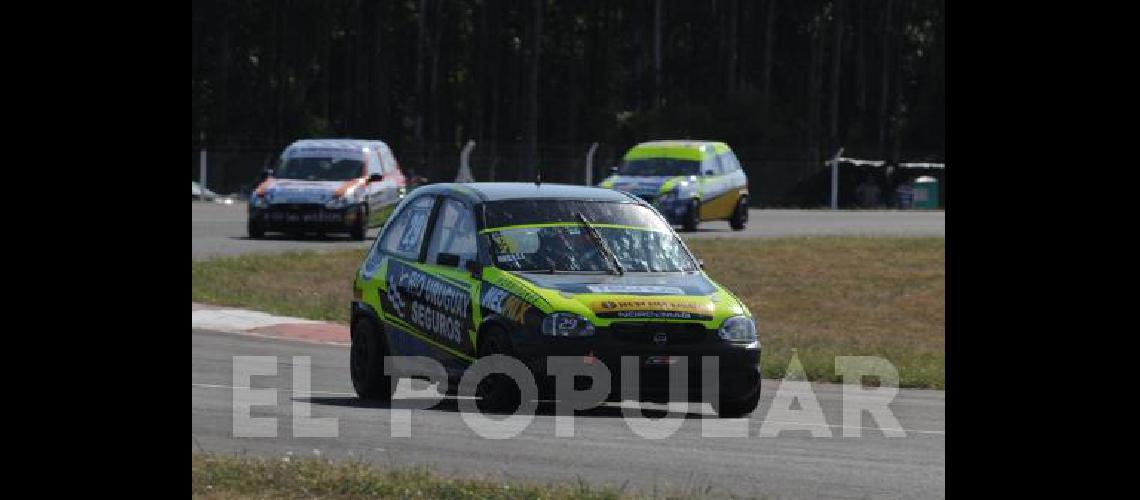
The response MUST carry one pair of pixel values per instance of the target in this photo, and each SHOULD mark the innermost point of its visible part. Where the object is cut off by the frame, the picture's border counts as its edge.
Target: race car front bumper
(306, 217)
(737, 373)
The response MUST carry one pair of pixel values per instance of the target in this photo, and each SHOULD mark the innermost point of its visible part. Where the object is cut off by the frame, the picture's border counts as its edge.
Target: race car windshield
(320, 169)
(505, 213)
(660, 166)
(568, 248)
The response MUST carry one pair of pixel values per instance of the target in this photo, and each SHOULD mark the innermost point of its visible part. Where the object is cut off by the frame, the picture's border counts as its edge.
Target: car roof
(683, 149)
(497, 191)
(337, 144)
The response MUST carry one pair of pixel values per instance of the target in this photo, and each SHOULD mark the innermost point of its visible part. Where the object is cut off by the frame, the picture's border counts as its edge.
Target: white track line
(239, 319)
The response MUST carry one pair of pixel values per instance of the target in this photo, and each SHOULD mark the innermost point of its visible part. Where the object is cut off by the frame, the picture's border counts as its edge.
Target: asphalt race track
(220, 229)
(603, 451)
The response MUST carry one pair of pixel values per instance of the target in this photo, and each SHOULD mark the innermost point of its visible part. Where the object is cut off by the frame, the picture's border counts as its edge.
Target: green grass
(223, 477)
(822, 296)
(841, 296)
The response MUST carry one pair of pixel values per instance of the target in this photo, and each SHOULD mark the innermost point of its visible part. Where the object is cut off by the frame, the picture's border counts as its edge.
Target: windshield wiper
(601, 244)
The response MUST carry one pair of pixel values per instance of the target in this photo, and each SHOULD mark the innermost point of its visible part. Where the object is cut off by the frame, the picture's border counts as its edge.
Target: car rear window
(507, 213)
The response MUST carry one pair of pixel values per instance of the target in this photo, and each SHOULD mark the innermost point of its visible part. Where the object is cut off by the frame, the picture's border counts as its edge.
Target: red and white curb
(250, 322)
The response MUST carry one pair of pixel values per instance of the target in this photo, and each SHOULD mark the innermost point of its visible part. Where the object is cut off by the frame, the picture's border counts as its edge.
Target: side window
(374, 165)
(386, 160)
(723, 165)
(405, 234)
(733, 162)
(454, 233)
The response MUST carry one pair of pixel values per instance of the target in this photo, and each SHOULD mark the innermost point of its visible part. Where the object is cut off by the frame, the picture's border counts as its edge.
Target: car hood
(636, 296)
(299, 191)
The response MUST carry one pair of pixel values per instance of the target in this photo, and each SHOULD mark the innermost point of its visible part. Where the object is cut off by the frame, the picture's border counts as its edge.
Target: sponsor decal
(431, 304)
(519, 290)
(651, 289)
(505, 303)
(663, 308)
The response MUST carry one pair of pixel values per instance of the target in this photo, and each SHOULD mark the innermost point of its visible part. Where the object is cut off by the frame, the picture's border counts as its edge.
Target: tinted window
(454, 233)
(405, 234)
(570, 248)
(320, 169)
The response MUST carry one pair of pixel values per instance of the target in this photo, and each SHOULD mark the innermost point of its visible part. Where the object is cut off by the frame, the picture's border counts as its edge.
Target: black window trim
(430, 229)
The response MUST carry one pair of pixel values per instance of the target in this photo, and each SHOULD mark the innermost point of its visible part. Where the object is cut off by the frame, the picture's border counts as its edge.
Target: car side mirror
(375, 178)
(709, 172)
(447, 259)
(613, 170)
(475, 268)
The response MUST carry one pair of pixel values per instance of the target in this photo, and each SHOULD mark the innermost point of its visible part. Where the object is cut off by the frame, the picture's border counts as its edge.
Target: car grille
(646, 333)
(302, 212)
(296, 207)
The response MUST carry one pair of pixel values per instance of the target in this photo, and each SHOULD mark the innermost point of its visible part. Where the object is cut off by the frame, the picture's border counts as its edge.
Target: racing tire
(692, 217)
(736, 408)
(255, 230)
(497, 392)
(366, 362)
(361, 227)
(739, 217)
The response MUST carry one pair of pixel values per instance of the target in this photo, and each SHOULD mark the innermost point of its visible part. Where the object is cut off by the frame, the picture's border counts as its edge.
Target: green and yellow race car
(466, 271)
(687, 181)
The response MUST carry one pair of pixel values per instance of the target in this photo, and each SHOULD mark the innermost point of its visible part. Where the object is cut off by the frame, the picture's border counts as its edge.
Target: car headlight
(567, 325)
(350, 197)
(738, 329)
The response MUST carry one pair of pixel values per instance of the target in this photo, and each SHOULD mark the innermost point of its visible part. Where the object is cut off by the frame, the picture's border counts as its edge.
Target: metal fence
(777, 178)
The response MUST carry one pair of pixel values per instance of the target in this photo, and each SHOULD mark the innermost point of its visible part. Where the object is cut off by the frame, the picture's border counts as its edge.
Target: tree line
(794, 79)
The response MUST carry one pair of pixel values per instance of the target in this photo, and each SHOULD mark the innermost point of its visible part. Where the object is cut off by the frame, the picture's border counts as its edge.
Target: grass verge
(224, 477)
(819, 297)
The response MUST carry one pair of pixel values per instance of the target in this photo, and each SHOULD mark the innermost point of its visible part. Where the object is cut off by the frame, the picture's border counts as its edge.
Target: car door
(452, 244)
(737, 178)
(388, 189)
(428, 303)
(398, 248)
(713, 190)
(374, 190)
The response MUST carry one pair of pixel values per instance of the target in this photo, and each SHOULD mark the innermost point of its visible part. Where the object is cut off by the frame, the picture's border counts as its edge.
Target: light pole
(202, 162)
(835, 179)
(590, 164)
